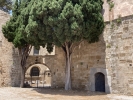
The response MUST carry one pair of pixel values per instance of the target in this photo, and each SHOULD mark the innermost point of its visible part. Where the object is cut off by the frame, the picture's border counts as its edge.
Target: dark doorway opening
(100, 82)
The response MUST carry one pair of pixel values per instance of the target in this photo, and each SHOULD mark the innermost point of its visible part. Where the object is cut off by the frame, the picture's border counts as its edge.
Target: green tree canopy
(64, 20)
(64, 23)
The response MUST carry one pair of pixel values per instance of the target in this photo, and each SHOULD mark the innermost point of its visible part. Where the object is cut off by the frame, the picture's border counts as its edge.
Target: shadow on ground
(52, 91)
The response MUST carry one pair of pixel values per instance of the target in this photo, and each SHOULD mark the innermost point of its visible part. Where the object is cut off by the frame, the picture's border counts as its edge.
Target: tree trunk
(68, 70)
(24, 53)
(22, 78)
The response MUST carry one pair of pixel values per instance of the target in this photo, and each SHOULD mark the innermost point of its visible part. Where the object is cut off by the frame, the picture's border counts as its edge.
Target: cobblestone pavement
(10, 93)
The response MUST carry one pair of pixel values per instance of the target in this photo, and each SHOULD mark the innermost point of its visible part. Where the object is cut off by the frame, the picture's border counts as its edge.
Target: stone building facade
(119, 59)
(9, 59)
(107, 63)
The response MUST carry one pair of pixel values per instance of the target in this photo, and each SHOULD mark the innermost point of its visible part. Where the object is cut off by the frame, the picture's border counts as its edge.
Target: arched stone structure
(93, 72)
(29, 65)
(55, 63)
(40, 80)
(32, 60)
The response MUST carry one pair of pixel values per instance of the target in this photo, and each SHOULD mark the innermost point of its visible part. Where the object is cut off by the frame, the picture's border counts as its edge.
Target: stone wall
(85, 57)
(9, 63)
(119, 54)
(55, 63)
(121, 7)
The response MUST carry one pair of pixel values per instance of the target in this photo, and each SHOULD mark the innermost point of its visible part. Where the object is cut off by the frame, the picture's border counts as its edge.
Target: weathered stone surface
(121, 7)
(9, 62)
(121, 71)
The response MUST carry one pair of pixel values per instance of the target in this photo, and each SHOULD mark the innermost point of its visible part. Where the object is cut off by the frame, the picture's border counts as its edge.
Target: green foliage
(63, 21)
(54, 22)
(13, 29)
(111, 4)
(118, 20)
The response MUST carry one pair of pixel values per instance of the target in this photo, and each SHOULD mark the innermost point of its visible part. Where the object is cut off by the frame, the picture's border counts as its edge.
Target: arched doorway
(38, 75)
(100, 82)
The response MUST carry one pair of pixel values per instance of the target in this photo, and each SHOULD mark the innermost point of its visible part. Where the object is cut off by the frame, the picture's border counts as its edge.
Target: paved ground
(10, 93)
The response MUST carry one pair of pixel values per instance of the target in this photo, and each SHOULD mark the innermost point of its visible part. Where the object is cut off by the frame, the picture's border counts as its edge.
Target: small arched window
(34, 71)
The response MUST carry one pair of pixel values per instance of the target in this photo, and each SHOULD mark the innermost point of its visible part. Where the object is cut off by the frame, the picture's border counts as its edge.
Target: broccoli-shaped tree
(64, 23)
(14, 31)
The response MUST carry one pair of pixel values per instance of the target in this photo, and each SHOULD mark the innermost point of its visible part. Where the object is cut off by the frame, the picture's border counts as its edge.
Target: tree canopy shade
(64, 23)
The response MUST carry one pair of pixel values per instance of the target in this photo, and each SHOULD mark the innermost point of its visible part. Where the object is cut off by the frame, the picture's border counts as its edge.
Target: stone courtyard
(11, 93)
(111, 58)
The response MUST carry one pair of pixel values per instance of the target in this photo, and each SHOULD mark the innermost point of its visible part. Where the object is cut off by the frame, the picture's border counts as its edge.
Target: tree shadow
(61, 91)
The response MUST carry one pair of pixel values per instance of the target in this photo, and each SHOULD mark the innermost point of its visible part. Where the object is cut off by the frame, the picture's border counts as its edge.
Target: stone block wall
(55, 63)
(118, 36)
(121, 7)
(9, 59)
(85, 57)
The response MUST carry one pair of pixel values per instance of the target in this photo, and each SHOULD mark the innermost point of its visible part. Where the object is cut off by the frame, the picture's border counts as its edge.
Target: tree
(64, 23)
(5, 5)
(13, 31)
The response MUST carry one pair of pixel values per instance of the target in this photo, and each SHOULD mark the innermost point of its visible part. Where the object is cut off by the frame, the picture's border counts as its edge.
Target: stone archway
(100, 82)
(36, 76)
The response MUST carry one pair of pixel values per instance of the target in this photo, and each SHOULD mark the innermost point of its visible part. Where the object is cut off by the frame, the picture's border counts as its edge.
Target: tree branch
(74, 46)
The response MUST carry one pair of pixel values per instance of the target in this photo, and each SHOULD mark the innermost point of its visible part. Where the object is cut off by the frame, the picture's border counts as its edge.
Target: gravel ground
(11, 93)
